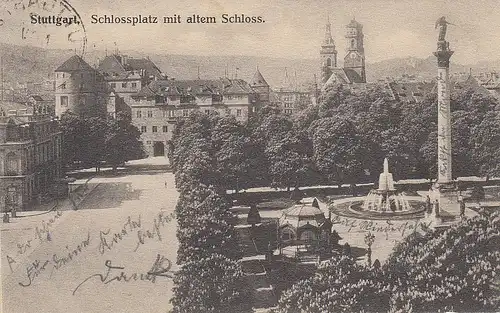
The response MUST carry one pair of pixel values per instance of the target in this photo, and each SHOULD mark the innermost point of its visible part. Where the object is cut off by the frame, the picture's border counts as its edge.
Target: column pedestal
(447, 196)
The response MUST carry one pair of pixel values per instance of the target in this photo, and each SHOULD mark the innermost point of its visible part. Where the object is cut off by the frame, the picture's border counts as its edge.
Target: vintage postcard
(249, 156)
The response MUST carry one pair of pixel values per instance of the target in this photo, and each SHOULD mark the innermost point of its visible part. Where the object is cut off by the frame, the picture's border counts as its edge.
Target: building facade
(30, 156)
(156, 108)
(125, 77)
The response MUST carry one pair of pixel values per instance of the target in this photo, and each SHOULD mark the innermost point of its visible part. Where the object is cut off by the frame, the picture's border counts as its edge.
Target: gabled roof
(143, 64)
(258, 80)
(74, 64)
(112, 67)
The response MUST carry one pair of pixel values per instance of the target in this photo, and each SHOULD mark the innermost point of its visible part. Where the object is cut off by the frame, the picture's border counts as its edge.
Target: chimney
(124, 60)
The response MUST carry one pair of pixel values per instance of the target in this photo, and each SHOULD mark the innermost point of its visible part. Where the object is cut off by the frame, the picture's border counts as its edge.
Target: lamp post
(369, 239)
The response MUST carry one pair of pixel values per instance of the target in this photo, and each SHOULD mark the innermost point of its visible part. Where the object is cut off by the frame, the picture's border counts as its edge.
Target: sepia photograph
(224, 156)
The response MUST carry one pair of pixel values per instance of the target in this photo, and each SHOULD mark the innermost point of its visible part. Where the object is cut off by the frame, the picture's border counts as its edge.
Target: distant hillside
(421, 68)
(24, 63)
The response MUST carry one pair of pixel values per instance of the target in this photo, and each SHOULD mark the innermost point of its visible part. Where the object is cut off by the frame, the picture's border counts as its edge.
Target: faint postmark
(43, 23)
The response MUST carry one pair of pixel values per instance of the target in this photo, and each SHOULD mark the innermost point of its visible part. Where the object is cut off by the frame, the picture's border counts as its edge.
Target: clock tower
(355, 57)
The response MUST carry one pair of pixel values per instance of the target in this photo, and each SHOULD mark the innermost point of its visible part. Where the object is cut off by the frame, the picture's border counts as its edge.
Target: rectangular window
(165, 129)
(134, 85)
(124, 85)
(64, 101)
(207, 111)
(171, 113)
(113, 85)
(238, 112)
(143, 129)
(288, 111)
(185, 112)
(155, 129)
(138, 114)
(150, 113)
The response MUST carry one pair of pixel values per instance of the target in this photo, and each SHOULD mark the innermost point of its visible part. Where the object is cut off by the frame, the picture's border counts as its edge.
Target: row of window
(154, 129)
(63, 86)
(185, 112)
(124, 85)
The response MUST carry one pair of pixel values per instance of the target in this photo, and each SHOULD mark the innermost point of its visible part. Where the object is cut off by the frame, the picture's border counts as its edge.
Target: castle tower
(355, 57)
(260, 85)
(79, 88)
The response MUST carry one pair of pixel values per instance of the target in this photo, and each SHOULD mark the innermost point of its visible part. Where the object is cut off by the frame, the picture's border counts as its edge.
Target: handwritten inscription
(42, 233)
(108, 240)
(383, 227)
(161, 268)
(160, 221)
(35, 268)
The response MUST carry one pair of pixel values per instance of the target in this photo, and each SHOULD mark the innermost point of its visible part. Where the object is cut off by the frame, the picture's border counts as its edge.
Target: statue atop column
(442, 24)
(443, 47)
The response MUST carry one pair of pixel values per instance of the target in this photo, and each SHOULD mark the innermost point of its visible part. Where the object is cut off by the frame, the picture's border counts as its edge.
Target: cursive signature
(161, 268)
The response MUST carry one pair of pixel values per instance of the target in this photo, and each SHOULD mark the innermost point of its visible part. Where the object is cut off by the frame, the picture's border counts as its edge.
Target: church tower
(355, 57)
(328, 53)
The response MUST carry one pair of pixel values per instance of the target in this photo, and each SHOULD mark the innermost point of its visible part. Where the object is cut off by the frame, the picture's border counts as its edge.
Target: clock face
(353, 55)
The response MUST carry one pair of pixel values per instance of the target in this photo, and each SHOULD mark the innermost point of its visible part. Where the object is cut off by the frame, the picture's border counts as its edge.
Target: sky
(292, 28)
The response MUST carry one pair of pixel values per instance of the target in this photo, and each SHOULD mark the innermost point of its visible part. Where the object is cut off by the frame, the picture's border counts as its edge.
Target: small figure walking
(165, 184)
(462, 206)
(6, 217)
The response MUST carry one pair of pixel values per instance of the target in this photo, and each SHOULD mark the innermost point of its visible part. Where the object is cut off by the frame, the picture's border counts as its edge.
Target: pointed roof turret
(258, 80)
(328, 41)
(74, 64)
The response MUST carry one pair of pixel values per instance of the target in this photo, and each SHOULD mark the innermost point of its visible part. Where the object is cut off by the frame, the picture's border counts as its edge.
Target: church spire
(328, 53)
(328, 41)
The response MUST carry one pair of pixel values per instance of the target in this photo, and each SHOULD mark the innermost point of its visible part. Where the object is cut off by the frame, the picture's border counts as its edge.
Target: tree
(121, 141)
(337, 149)
(211, 284)
(204, 225)
(72, 128)
(230, 143)
(452, 271)
(339, 285)
(485, 143)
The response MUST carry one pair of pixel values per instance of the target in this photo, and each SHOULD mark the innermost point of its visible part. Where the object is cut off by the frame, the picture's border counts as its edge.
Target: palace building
(30, 155)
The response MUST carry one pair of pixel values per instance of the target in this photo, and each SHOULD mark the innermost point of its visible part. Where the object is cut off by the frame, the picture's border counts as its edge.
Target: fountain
(386, 198)
(385, 202)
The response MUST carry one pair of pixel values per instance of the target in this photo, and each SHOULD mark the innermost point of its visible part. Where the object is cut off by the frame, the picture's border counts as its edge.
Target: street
(116, 253)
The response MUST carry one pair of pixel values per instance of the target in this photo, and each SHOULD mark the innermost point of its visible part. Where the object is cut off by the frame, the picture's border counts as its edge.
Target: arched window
(287, 234)
(353, 43)
(308, 236)
(328, 62)
(11, 165)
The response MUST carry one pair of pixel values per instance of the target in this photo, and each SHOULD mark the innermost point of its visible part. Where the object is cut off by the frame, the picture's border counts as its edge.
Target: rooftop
(74, 64)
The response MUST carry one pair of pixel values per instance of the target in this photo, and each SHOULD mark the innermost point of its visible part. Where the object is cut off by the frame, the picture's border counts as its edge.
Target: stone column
(443, 55)
(446, 191)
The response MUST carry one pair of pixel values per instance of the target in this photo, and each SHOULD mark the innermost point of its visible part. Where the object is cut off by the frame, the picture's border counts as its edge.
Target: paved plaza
(96, 258)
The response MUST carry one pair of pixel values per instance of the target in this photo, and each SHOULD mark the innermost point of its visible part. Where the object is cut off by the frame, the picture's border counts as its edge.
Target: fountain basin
(354, 208)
